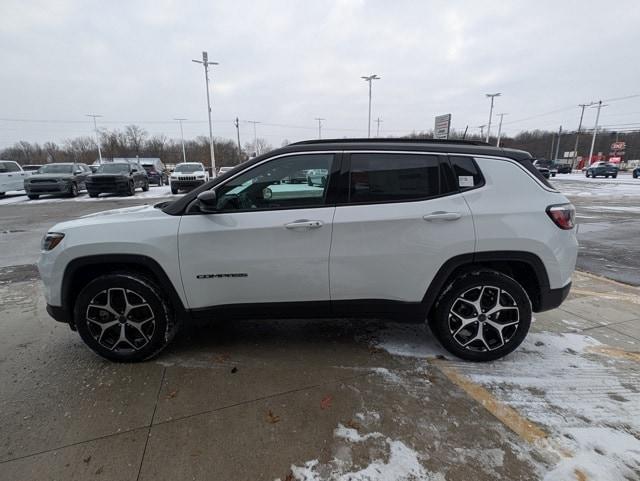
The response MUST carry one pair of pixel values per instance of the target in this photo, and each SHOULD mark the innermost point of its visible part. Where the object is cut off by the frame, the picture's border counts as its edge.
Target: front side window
(287, 182)
(393, 177)
(9, 167)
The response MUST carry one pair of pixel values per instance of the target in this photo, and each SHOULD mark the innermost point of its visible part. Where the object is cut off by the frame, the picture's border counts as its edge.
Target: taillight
(562, 215)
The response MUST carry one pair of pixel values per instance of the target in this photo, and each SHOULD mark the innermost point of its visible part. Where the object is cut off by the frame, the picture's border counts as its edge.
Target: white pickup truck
(11, 176)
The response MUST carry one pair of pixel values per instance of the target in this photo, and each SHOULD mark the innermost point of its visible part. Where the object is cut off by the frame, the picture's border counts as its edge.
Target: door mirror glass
(208, 201)
(79, 171)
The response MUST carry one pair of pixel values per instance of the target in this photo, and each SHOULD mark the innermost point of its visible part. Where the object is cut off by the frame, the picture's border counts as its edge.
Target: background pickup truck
(11, 176)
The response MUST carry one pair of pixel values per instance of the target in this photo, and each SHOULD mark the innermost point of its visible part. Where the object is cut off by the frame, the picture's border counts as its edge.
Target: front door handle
(304, 224)
(442, 216)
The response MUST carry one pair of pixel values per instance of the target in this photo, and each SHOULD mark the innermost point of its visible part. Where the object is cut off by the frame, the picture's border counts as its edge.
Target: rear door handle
(442, 216)
(304, 224)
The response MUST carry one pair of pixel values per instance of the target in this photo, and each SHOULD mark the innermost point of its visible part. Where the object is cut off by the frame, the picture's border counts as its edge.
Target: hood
(113, 216)
(51, 176)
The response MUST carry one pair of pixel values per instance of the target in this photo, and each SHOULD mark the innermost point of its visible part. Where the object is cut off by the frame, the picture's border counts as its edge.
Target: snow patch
(353, 435)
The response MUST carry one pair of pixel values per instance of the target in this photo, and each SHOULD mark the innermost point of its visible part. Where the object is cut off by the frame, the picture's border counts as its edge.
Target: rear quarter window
(466, 172)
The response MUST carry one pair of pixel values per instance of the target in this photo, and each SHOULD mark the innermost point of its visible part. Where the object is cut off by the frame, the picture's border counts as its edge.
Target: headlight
(51, 239)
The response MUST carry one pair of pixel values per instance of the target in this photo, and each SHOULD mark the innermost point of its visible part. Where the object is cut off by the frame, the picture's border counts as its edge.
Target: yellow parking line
(520, 425)
(615, 352)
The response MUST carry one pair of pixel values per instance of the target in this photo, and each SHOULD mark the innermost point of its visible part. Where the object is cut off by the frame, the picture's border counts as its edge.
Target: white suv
(188, 175)
(468, 236)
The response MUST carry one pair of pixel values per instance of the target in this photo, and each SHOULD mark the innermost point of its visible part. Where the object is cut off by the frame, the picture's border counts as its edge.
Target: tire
(33, 196)
(553, 175)
(93, 194)
(132, 189)
(615, 176)
(73, 191)
(138, 337)
(586, 174)
(174, 190)
(455, 307)
(2, 193)
(145, 186)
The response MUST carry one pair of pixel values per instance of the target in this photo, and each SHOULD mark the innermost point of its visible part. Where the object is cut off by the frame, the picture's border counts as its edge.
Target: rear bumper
(552, 298)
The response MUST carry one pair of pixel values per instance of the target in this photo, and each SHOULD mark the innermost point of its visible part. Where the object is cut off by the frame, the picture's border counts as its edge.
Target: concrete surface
(315, 399)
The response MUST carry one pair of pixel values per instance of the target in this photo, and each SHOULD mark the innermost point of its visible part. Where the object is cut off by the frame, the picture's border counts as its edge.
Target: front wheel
(145, 186)
(174, 190)
(482, 316)
(33, 196)
(131, 189)
(615, 176)
(122, 317)
(73, 191)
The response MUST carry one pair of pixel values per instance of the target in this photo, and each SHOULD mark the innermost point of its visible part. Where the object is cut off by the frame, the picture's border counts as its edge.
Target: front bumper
(111, 188)
(552, 298)
(47, 187)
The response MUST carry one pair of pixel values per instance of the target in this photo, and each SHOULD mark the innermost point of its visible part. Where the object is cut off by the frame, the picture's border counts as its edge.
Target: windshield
(113, 169)
(56, 169)
(149, 168)
(189, 168)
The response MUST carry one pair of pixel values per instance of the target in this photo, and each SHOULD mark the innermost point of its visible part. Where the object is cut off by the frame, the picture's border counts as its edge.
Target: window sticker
(465, 180)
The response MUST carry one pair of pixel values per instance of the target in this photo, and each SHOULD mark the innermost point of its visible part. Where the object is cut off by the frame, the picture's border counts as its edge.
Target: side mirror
(208, 201)
(78, 172)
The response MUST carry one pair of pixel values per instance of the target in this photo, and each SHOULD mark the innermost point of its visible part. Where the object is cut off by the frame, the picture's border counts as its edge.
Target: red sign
(615, 160)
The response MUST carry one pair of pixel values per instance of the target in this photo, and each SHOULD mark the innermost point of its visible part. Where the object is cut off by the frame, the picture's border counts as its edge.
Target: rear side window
(466, 172)
(393, 177)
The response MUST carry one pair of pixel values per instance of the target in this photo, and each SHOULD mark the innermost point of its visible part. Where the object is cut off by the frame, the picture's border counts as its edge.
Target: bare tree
(135, 137)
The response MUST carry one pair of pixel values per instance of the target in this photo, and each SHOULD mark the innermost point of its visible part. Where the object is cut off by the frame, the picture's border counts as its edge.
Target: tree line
(134, 141)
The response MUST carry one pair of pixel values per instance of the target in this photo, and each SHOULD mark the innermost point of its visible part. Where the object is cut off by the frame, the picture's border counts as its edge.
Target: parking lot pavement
(608, 214)
(313, 400)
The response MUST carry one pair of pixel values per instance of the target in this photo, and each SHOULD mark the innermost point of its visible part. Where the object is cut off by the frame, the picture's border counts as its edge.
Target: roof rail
(393, 140)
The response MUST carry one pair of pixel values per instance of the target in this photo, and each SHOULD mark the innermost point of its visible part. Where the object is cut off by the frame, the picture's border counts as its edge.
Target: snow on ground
(577, 185)
(152, 193)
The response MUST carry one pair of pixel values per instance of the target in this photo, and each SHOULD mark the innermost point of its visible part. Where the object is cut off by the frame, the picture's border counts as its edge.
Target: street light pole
(378, 121)
(237, 124)
(558, 143)
(319, 119)
(575, 148)
(481, 127)
(184, 154)
(205, 63)
(595, 131)
(255, 135)
(491, 96)
(95, 129)
(500, 129)
(369, 79)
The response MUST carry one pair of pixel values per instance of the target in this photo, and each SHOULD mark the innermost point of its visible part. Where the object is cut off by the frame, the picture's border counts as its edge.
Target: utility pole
(378, 121)
(500, 129)
(184, 154)
(481, 127)
(558, 143)
(595, 130)
(575, 148)
(553, 143)
(95, 129)
(205, 63)
(319, 119)
(491, 96)
(370, 78)
(237, 124)
(255, 135)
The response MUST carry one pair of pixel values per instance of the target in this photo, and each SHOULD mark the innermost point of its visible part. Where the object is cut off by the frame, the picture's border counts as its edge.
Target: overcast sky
(285, 63)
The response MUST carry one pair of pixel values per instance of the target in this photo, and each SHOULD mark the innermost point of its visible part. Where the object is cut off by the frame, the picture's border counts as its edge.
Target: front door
(269, 240)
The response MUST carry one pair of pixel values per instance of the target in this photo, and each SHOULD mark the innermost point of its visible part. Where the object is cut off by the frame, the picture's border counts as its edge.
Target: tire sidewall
(164, 329)
(439, 324)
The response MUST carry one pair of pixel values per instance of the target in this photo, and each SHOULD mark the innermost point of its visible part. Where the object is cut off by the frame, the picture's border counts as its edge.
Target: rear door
(402, 218)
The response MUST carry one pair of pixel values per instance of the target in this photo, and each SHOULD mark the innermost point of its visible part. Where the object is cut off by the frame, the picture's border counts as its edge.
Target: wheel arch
(83, 270)
(526, 268)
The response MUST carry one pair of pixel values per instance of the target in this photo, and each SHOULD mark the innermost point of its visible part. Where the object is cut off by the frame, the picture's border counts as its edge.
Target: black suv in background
(65, 178)
(117, 178)
(602, 168)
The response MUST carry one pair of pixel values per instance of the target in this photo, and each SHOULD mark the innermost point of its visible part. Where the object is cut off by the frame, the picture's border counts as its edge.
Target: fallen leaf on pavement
(325, 402)
(87, 459)
(221, 358)
(172, 394)
(272, 418)
(353, 424)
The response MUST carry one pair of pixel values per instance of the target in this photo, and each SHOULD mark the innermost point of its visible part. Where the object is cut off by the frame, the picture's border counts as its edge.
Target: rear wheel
(2, 193)
(93, 194)
(615, 176)
(122, 317)
(131, 189)
(33, 196)
(73, 191)
(145, 186)
(482, 316)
